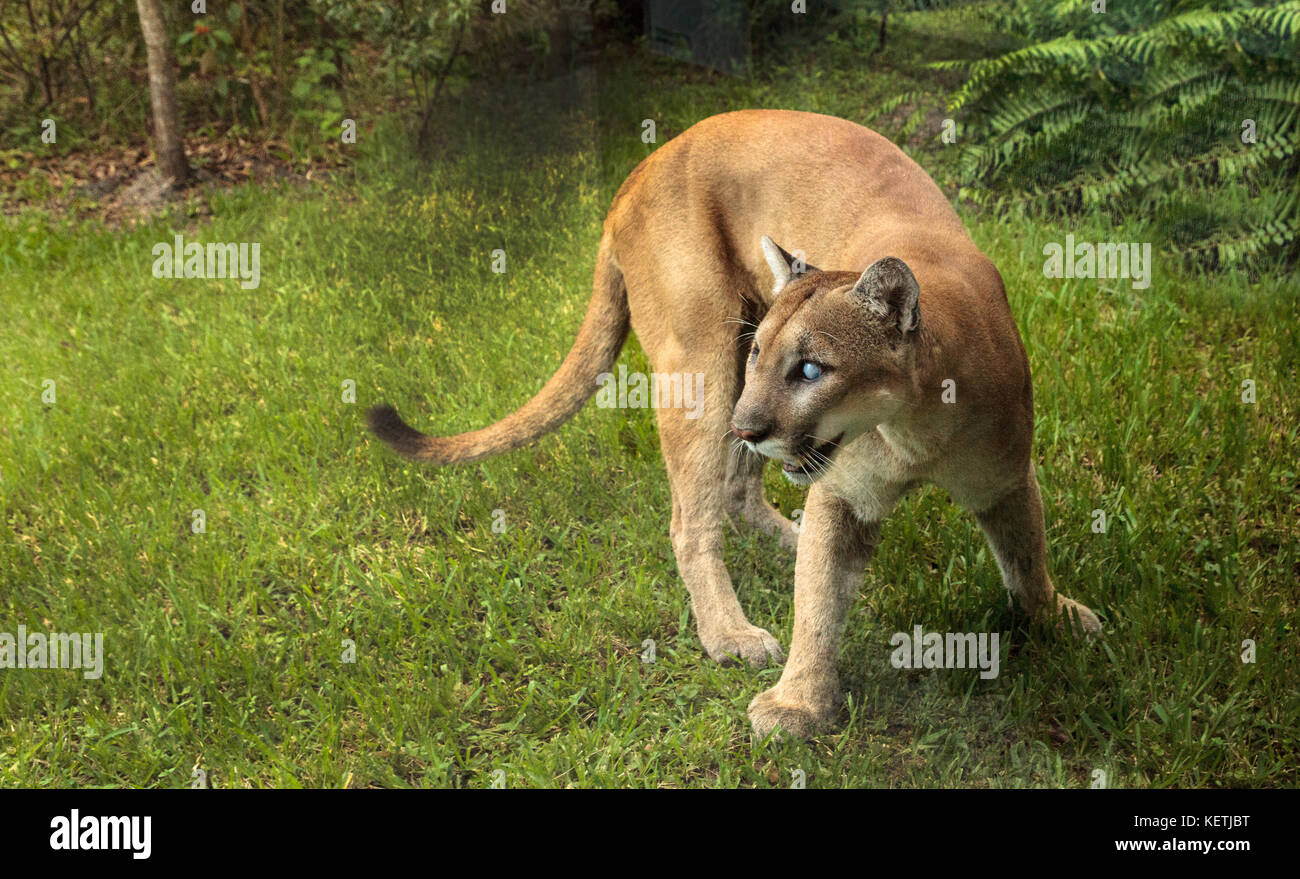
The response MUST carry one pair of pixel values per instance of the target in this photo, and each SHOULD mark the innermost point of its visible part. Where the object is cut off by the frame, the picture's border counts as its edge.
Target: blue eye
(811, 371)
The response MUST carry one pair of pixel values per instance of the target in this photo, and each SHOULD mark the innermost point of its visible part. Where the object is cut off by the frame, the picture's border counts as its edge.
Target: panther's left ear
(889, 290)
(784, 266)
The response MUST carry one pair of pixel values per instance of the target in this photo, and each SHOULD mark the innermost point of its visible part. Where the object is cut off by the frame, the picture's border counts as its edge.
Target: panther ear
(784, 266)
(889, 290)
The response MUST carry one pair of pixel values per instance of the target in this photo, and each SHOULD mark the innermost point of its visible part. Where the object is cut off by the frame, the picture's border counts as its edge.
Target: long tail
(594, 351)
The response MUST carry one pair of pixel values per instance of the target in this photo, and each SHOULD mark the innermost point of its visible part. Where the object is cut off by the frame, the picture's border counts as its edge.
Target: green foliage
(285, 67)
(417, 40)
(55, 58)
(1142, 111)
(317, 105)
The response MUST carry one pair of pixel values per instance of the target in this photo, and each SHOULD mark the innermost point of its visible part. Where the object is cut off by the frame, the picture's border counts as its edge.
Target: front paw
(772, 710)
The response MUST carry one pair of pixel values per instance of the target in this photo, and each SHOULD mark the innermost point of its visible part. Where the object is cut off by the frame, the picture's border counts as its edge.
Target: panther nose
(750, 436)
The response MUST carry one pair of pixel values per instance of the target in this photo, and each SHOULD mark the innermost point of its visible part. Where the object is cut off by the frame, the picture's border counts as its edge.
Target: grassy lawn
(520, 650)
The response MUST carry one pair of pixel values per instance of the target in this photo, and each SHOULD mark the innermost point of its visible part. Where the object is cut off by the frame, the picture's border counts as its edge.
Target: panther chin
(811, 461)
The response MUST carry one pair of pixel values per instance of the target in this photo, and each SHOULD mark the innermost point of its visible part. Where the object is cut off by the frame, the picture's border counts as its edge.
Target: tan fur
(684, 261)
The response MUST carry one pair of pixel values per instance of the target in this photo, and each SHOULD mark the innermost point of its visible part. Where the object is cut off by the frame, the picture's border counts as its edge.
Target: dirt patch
(122, 186)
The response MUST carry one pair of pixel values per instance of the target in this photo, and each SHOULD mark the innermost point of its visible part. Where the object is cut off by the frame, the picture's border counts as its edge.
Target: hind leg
(689, 312)
(1014, 529)
(745, 497)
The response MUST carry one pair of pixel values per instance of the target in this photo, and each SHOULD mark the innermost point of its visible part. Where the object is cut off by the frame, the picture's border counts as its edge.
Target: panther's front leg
(834, 548)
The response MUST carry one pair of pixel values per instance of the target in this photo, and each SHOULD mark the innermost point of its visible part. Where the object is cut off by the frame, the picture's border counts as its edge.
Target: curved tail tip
(385, 423)
(382, 418)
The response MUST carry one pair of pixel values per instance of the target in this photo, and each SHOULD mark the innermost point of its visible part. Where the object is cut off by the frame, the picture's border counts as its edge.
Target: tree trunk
(424, 138)
(167, 143)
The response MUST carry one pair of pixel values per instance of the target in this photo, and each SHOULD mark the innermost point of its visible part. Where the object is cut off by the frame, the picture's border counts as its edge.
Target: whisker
(820, 461)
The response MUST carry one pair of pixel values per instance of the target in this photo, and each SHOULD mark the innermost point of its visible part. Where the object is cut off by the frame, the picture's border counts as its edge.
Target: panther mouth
(812, 460)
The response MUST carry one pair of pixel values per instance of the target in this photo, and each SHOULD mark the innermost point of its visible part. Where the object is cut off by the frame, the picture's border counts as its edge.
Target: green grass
(520, 651)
